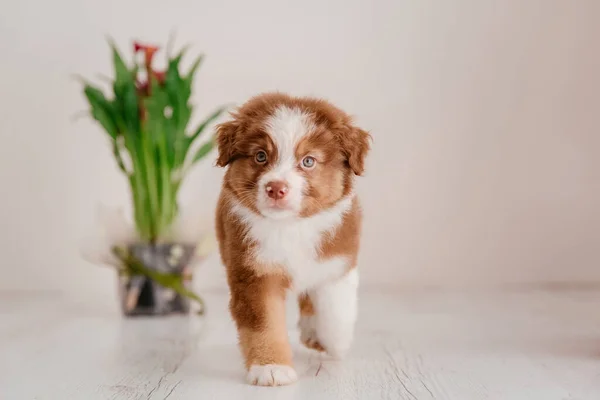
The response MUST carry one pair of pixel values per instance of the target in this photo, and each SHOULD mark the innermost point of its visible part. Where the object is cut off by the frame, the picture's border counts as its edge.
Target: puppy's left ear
(355, 146)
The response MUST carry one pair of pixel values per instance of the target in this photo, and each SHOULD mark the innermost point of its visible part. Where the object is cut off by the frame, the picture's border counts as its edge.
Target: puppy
(288, 218)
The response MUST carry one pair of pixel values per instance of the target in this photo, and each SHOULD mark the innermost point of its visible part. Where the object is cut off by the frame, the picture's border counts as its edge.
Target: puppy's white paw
(271, 375)
(338, 351)
(336, 337)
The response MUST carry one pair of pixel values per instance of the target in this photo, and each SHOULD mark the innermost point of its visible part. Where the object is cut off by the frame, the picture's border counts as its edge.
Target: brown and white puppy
(288, 218)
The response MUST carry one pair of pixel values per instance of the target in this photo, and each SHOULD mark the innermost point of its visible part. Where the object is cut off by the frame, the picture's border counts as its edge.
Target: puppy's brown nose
(276, 189)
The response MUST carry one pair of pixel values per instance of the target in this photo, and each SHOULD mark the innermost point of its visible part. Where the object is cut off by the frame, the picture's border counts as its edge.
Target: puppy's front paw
(271, 375)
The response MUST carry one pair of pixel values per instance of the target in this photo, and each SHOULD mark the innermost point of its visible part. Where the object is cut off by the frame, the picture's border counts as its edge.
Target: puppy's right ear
(227, 133)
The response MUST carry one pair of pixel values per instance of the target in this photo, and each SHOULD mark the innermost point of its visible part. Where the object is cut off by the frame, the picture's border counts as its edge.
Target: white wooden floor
(419, 345)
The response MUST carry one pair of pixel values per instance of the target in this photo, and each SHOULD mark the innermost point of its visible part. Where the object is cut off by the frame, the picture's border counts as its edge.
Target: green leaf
(180, 55)
(203, 151)
(197, 62)
(185, 144)
(170, 133)
(117, 153)
(155, 105)
(125, 91)
(205, 123)
(122, 73)
(178, 95)
(126, 100)
(102, 110)
(186, 81)
(190, 76)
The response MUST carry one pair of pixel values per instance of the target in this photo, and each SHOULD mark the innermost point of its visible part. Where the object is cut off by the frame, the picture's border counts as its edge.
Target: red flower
(159, 76)
(148, 50)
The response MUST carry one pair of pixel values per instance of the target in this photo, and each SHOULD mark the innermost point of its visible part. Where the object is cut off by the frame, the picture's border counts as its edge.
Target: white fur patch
(287, 126)
(294, 243)
(271, 375)
(335, 313)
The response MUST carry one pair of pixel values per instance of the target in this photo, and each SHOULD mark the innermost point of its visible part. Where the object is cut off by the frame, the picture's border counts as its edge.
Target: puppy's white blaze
(336, 312)
(287, 126)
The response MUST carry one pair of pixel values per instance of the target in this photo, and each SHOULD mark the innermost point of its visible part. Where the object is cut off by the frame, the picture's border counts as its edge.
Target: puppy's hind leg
(307, 323)
(335, 312)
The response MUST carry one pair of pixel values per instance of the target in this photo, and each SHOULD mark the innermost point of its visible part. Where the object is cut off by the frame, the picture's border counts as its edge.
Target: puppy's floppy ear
(355, 146)
(227, 133)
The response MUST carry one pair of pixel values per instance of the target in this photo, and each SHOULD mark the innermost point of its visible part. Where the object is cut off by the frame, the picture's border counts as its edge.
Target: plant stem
(138, 190)
(166, 183)
(151, 184)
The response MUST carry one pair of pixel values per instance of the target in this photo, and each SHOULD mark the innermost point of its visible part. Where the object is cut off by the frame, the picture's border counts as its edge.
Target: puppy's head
(290, 157)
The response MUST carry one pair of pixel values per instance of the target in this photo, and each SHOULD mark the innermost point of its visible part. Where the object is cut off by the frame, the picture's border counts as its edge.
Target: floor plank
(412, 345)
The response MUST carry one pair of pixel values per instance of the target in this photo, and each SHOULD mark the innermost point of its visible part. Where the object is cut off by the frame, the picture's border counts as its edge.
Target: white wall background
(485, 115)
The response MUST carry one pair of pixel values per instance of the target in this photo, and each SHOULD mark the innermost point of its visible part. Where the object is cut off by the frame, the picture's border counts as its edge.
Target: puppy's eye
(260, 157)
(308, 162)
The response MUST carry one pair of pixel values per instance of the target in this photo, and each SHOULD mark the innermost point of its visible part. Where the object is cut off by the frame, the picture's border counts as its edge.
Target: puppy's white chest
(294, 244)
(295, 248)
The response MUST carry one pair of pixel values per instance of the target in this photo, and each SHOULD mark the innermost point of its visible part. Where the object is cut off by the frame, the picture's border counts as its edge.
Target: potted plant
(146, 118)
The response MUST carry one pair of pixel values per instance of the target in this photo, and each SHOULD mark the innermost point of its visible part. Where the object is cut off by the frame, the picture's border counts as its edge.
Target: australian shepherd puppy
(288, 220)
